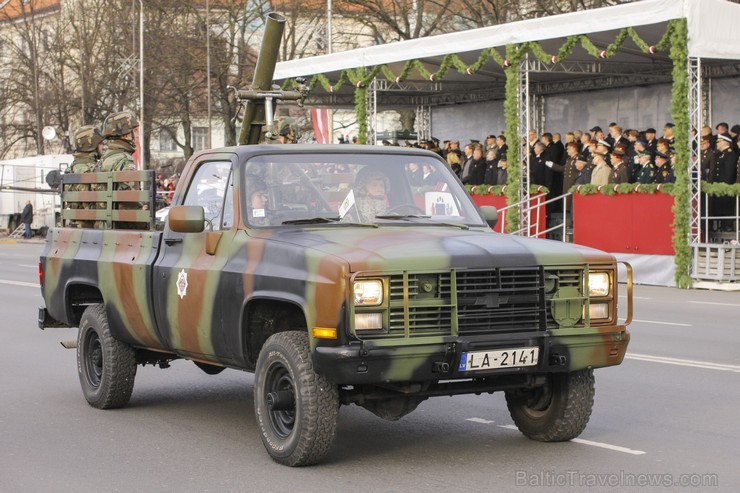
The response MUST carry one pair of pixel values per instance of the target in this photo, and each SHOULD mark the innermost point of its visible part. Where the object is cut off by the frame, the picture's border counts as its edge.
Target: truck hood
(433, 248)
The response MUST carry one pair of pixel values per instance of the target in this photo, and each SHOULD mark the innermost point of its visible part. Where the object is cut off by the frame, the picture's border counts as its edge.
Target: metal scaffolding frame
(696, 121)
(423, 122)
(371, 103)
(525, 123)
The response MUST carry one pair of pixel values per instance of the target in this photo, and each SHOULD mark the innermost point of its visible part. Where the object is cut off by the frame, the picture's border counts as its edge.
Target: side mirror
(490, 214)
(186, 219)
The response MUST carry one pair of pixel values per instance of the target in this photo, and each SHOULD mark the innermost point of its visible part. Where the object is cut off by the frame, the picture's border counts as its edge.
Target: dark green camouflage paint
(303, 269)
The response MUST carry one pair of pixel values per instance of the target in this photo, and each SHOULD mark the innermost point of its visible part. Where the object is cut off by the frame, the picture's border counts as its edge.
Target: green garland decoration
(511, 114)
(720, 189)
(500, 190)
(680, 114)
(624, 188)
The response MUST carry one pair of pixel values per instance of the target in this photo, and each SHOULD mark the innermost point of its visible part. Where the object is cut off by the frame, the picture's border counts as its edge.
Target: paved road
(670, 409)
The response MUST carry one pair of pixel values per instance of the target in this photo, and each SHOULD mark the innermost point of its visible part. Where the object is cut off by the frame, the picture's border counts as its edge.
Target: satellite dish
(49, 133)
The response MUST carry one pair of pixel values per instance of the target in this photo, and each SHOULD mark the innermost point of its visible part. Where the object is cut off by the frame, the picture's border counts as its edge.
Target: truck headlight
(599, 284)
(368, 292)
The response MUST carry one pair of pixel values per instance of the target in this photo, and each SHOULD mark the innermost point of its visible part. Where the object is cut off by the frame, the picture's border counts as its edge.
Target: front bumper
(433, 359)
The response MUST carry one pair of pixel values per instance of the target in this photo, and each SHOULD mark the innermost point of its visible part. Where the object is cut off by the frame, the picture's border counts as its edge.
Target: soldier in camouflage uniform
(119, 130)
(88, 145)
(288, 132)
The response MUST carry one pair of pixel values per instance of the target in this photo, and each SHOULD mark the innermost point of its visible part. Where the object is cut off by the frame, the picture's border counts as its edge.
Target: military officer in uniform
(647, 171)
(663, 169)
(708, 158)
(620, 172)
(287, 131)
(726, 169)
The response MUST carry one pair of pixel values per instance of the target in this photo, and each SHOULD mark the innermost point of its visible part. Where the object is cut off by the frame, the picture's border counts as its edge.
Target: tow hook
(558, 360)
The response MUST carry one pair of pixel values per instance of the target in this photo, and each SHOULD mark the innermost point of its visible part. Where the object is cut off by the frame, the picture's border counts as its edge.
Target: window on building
(166, 142)
(200, 138)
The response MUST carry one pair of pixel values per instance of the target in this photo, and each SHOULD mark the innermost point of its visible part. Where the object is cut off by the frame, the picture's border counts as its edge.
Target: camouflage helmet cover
(87, 138)
(118, 124)
(287, 127)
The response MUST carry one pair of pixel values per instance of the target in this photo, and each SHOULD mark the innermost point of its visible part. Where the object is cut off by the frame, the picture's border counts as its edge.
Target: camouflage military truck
(267, 263)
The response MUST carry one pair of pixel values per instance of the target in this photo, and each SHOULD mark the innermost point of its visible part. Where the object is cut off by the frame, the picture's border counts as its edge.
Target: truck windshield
(290, 189)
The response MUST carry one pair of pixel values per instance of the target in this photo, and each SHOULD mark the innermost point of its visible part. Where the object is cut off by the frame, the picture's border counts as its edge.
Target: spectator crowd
(592, 157)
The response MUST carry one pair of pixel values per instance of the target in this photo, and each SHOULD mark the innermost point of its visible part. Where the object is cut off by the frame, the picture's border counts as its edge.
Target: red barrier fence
(629, 223)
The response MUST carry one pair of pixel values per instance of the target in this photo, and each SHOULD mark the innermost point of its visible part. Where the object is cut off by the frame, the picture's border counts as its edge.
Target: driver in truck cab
(371, 189)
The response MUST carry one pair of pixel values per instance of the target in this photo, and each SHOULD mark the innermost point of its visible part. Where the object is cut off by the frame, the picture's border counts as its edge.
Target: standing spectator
(708, 158)
(706, 131)
(453, 159)
(646, 173)
(503, 170)
(559, 148)
(491, 167)
(429, 176)
(726, 169)
(538, 170)
(467, 160)
(620, 173)
(477, 169)
(663, 169)
(600, 173)
(503, 148)
(651, 142)
(415, 175)
(585, 141)
(569, 170)
(27, 219)
(583, 177)
(735, 133)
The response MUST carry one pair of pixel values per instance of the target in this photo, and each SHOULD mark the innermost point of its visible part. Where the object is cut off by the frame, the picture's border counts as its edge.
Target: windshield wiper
(312, 220)
(401, 216)
(418, 216)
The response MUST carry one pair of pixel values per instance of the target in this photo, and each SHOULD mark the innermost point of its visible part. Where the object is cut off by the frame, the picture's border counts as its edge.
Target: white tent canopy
(712, 25)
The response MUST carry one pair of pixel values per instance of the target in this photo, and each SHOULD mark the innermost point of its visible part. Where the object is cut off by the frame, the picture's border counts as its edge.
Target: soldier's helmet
(118, 124)
(254, 183)
(87, 138)
(287, 127)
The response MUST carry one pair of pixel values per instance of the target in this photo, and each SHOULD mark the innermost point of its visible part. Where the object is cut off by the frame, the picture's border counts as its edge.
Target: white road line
(711, 303)
(661, 323)
(607, 446)
(29, 266)
(707, 365)
(480, 420)
(636, 297)
(20, 283)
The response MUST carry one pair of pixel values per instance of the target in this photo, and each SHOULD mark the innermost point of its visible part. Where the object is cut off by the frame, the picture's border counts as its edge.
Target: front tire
(557, 412)
(296, 408)
(106, 366)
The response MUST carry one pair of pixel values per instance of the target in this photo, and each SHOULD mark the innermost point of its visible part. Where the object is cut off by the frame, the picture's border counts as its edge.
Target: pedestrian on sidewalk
(27, 219)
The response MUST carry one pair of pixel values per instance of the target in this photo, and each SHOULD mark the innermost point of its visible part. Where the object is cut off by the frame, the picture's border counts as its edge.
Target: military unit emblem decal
(182, 284)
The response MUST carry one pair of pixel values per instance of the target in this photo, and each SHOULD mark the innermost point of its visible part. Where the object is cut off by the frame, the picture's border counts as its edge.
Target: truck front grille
(474, 302)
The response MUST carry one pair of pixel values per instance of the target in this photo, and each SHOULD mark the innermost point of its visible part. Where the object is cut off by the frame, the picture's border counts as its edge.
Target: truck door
(186, 276)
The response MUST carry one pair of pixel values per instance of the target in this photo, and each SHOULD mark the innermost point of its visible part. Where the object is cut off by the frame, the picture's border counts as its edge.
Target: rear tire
(556, 412)
(301, 432)
(106, 366)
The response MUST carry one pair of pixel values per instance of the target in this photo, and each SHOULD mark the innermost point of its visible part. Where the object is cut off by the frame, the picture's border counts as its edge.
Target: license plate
(500, 358)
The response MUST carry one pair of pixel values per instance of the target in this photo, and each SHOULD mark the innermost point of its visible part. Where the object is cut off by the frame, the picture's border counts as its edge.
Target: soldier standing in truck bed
(119, 130)
(88, 145)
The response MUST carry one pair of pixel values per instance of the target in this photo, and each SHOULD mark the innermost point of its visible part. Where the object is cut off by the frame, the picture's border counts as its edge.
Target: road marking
(480, 420)
(29, 266)
(684, 362)
(607, 446)
(662, 323)
(636, 297)
(711, 303)
(20, 283)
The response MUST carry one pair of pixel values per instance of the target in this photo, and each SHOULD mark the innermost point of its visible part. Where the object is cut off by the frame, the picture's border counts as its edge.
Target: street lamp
(141, 83)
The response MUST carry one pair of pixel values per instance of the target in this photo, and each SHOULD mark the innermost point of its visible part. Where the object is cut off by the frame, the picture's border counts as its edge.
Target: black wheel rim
(279, 379)
(540, 400)
(93, 358)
